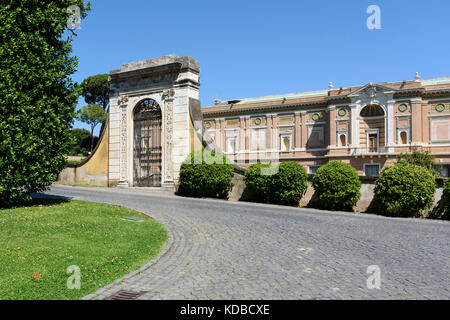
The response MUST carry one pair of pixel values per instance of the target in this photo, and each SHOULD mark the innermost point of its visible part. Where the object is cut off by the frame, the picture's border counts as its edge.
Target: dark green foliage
(446, 200)
(258, 185)
(206, 174)
(81, 143)
(284, 184)
(404, 190)
(95, 90)
(92, 114)
(419, 157)
(37, 95)
(336, 186)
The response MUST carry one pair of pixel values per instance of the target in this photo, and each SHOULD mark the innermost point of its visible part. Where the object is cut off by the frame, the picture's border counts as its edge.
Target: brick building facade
(365, 126)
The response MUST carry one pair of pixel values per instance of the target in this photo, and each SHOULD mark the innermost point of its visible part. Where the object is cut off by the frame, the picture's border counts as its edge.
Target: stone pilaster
(354, 124)
(168, 96)
(123, 182)
(390, 129)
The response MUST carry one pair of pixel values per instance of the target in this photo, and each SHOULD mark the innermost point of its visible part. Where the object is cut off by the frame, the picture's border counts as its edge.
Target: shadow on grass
(39, 199)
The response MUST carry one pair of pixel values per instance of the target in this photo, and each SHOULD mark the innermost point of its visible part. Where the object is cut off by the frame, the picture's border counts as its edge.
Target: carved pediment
(371, 90)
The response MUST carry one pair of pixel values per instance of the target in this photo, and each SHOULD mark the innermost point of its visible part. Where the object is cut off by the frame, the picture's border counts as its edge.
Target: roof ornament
(330, 86)
(416, 77)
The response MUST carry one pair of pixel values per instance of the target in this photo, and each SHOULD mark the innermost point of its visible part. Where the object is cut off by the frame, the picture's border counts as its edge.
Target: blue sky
(252, 48)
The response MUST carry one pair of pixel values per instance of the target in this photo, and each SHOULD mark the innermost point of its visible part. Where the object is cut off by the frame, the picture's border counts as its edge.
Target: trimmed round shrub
(289, 184)
(206, 174)
(258, 184)
(336, 186)
(284, 183)
(404, 190)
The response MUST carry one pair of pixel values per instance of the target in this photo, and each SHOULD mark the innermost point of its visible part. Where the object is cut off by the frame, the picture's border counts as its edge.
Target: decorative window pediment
(371, 90)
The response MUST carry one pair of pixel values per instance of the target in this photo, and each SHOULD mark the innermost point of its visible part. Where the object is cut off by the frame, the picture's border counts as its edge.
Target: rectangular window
(231, 144)
(372, 170)
(232, 141)
(285, 142)
(313, 169)
(258, 139)
(316, 137)
(442, 170)
(372, 142)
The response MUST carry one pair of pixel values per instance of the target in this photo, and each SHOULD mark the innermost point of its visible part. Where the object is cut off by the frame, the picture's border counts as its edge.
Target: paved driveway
(226, 250)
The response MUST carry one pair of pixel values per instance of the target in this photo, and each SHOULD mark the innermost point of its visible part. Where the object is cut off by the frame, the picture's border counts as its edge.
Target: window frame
(232, 134)
(280, 140)
(442, 165)
(252, 132)
(315, 166)
(371, 164)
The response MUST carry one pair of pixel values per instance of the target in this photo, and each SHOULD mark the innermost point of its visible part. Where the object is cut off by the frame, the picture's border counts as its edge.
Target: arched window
(403, 137)
(343, 140)
(148, 108)
(372, 110)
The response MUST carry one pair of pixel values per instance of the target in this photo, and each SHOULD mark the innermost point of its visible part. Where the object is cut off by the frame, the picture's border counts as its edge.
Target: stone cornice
(276, 107)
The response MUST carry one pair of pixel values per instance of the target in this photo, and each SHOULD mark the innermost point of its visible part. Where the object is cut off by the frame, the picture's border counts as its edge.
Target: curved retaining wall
(93, 170)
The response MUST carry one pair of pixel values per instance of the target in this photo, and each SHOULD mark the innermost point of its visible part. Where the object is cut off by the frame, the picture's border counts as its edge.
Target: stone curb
(165, 249)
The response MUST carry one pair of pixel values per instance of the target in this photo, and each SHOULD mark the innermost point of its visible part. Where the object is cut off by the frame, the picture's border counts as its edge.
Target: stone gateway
(149, 120)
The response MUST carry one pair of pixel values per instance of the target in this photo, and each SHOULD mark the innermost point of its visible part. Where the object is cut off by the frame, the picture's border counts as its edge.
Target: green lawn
(49, 236)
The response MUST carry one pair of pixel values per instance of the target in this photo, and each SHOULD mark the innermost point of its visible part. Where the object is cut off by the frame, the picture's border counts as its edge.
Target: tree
(82, 142)
(92, 114)
(37, 95)
(419, 157)
(95, 90)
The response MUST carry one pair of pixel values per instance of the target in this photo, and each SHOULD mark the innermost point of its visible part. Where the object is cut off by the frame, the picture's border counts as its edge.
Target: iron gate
(147, 144)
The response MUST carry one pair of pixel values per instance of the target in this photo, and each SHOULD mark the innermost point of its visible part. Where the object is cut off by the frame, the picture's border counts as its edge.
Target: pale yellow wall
(94, 171)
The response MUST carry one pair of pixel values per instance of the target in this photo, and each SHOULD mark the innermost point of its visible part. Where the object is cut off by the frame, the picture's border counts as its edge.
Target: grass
(47, 237)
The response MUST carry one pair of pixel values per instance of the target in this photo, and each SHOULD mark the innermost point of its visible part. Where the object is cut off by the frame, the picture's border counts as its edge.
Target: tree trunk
(92, 138)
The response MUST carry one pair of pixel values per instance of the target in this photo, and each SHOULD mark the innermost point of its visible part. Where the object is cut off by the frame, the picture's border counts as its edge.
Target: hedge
(446, 200)
(206, 174)
(404, 190)
(336, 186)
(283, 183)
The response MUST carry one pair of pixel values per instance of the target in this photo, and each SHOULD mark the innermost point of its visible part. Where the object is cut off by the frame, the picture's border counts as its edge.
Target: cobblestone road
(225, 250)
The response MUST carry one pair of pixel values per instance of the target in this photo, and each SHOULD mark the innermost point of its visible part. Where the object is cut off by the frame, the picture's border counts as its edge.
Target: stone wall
(93, 170)
(239, 193)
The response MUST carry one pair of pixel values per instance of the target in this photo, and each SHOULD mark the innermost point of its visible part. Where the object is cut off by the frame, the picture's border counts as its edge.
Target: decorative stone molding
(168, 97)
(123, 144)
(123, 100)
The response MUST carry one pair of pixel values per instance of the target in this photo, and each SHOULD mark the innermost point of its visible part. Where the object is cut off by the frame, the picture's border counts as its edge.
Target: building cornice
(275, 107)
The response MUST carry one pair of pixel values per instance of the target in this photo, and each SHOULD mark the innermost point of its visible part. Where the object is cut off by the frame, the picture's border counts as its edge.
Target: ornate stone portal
(173, 82)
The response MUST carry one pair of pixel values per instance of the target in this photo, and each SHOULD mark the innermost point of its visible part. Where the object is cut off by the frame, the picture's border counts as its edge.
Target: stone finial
(330, 85)
(416, 77)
